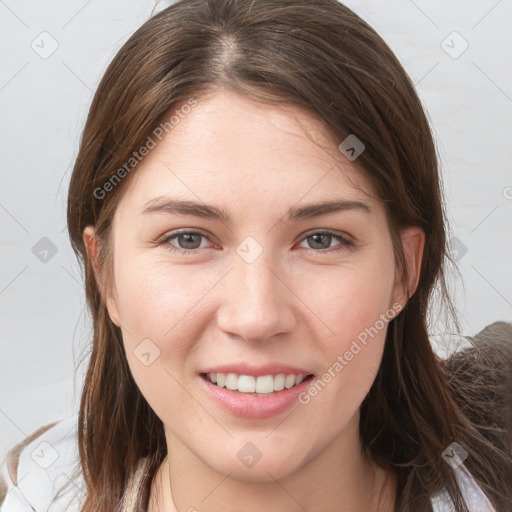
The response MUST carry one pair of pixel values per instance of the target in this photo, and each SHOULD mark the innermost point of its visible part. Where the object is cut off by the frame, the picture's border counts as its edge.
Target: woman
(264, 367)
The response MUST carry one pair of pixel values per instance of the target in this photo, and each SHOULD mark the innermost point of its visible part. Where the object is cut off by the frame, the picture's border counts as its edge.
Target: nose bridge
(257, 304)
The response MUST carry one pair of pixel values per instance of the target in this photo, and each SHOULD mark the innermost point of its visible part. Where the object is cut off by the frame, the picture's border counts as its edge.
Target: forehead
(234, 149)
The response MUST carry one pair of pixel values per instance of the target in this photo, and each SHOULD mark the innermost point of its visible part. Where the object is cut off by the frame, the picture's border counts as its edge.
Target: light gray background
(44, 102)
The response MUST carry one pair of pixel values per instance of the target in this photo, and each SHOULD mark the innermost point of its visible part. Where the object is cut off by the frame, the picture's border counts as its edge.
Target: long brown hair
(318, 55)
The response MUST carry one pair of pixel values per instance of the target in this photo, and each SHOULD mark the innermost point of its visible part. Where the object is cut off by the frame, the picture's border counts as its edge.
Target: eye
(187, 240)
(322, 240)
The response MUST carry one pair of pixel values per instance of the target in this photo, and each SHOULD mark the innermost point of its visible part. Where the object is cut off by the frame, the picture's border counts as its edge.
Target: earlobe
(413, 243)
(92, 247)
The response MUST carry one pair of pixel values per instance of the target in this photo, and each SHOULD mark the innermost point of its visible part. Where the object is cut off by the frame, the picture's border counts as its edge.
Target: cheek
(160, 317)
(351, 298)
(357, 310)
(156, 299)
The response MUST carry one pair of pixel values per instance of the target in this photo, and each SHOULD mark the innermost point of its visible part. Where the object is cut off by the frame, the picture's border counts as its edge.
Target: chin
(251, 464)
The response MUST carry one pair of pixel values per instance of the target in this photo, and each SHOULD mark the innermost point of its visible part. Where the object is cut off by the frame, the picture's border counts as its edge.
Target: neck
(340, 478)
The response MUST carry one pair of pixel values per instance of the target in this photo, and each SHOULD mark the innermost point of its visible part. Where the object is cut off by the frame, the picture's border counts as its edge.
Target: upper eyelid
(333, 232)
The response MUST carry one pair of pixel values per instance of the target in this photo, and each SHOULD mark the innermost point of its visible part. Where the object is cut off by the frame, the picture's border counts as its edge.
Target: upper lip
(257, 371)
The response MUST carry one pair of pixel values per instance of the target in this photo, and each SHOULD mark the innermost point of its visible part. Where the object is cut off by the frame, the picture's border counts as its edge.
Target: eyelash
(344, 242)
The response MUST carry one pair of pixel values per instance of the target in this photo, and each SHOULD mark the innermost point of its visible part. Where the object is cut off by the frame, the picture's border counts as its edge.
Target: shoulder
(480, 378)
(43, 472)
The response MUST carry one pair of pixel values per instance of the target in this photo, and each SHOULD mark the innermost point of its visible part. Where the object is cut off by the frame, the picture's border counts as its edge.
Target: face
(274, 287)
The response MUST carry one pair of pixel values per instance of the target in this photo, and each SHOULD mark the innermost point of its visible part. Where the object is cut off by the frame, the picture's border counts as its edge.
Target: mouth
(261, 386)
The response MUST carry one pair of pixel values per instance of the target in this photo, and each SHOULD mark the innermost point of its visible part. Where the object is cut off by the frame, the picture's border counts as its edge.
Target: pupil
(188, 238)
(316, 236)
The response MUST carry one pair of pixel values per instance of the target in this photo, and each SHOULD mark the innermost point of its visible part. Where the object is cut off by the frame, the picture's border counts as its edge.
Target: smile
(251, 397)
(259, 386)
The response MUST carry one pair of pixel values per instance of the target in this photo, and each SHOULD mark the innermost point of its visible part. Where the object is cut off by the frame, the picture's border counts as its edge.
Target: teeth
(231, 381)
(246, 384)
(289, 382)
(265, 384)
(262, 385)
(279, 381)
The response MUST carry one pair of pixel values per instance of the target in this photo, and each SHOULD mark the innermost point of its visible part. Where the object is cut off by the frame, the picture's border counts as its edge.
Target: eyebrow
(205, 211)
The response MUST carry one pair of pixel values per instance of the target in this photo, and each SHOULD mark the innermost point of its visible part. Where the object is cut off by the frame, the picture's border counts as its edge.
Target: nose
(257, 301)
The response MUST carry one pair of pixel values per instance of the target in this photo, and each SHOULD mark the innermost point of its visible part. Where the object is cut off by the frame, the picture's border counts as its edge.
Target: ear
(413, 243)
(93, 251)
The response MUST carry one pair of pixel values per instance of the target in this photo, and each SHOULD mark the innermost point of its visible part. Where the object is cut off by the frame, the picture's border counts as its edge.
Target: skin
(296, 304)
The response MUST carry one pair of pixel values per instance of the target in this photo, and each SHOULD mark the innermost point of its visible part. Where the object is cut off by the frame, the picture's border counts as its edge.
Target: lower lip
(252, 406)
